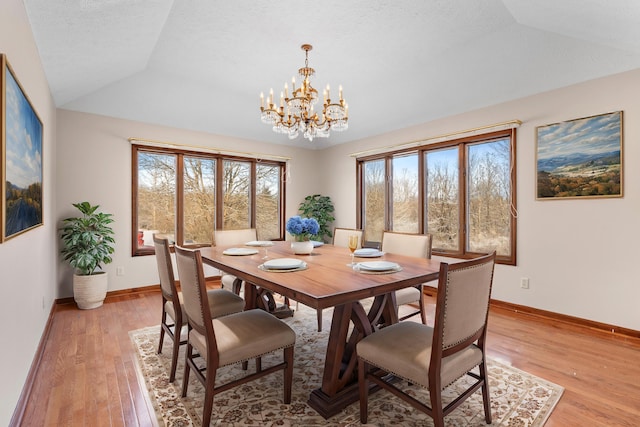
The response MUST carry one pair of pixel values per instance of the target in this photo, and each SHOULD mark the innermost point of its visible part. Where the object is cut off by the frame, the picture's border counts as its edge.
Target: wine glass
(353, 245)
(266, 251)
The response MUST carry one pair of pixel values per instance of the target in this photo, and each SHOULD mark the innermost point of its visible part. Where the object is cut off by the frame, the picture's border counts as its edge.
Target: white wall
(94, 164)
(580, 255)
(27, 261)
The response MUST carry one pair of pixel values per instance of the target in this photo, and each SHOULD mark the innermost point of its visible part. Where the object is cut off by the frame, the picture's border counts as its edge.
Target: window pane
(268, 202)
(236, 194)
(443, 198)
(156, 197)
(199, 200)
(374, 199)
(405, 207)
(489, 197)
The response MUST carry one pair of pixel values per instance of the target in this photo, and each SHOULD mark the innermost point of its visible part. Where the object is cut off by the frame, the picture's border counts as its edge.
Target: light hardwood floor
(87, 376)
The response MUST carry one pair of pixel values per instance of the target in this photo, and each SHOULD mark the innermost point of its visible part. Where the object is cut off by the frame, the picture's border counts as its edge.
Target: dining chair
(221, 302)
(435, 357)
(227, 340)
(408, 244)
(229, 238)
(341, 236)
(341, 239)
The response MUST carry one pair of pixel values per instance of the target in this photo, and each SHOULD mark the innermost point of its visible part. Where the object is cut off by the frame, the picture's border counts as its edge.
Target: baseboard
(21, 406)
(557, 317)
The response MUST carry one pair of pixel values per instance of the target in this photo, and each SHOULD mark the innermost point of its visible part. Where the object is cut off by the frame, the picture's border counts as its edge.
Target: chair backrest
(165, 268)
(341, 236)
(408, 244)
(194, 290)
(234, 237)
(462, 306)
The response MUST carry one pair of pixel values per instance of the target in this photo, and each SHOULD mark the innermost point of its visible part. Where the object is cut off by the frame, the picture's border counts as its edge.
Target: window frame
(461, 144)
(179, 214)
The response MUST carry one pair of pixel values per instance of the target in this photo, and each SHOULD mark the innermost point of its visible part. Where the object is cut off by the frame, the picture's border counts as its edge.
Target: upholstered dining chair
(341, 236)
(341, 239)
(436, 357)
(416, 245)
(229, 238)
(227, 340)
(221, 303)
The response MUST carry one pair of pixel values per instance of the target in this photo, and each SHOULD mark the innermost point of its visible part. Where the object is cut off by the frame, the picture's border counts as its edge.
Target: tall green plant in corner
(87, 244)
(321, 208)
(88, 239)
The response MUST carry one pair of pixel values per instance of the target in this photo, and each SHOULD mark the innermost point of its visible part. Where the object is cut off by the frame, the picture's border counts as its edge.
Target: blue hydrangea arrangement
(302, 228)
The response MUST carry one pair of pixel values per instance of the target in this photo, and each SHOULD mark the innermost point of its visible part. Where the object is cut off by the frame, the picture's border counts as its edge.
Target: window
(462, 192)
(185, 196)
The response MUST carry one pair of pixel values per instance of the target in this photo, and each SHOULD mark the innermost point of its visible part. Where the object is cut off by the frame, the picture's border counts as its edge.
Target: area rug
(518, 399)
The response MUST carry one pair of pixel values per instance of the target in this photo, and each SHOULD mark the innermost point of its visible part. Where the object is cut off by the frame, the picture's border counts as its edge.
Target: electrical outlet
(524, 282)
(119, 271)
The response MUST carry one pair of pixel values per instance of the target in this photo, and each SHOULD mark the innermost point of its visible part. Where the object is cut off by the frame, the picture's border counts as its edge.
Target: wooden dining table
(330, 281)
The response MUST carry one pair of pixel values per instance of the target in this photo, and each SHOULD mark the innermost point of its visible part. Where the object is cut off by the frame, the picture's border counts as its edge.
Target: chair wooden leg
(363, 388)
(319, 316)
(436, 408)
(210, 384)
(258, 364)
(162, 323)
(288, 374)
(423, 310)
(486, 397)
(176, 348)
(185, 378)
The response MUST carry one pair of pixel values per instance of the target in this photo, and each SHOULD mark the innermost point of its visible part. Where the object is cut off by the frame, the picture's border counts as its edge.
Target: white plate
(378, 265)
(260, 243)
(316, 243)
(283, 264)
(368, 253)
(240, 251)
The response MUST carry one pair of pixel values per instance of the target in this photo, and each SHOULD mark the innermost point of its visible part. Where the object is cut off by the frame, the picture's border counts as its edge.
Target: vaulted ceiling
(201, 64)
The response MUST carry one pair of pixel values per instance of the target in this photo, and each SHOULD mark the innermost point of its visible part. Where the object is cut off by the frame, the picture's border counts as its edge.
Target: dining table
(326, 278)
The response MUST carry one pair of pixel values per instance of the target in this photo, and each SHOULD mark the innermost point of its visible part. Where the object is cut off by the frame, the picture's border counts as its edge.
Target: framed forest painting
(580, 158)
(21, 165)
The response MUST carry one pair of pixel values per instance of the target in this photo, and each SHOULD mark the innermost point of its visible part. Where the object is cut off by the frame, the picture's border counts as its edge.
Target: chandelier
(295, 114)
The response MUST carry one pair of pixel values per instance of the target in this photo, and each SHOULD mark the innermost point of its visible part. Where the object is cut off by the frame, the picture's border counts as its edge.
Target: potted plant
(302, 229)
(321, 208)
(87, 242)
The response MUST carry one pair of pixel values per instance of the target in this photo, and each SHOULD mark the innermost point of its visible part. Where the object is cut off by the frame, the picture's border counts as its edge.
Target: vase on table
(302, 248)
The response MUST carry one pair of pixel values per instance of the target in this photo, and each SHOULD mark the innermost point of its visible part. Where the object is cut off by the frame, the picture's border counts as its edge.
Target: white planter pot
(302, 248)
(90, 291)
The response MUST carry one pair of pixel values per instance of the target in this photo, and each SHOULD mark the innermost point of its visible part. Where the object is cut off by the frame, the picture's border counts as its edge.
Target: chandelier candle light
(295, 114)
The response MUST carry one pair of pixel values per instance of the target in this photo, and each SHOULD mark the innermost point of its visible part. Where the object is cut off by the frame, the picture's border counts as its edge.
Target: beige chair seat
(244, 336)
(402, 346)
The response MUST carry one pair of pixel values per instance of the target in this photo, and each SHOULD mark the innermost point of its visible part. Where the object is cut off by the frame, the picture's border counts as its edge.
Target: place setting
(368, 253)
(283, 265)
(377, 267)
(240, 251)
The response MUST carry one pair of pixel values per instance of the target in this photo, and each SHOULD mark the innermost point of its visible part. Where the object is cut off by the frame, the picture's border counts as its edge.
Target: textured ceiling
(201, 64)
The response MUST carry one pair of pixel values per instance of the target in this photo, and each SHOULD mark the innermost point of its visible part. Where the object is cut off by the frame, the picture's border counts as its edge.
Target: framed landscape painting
(21, 166)
(580, 158)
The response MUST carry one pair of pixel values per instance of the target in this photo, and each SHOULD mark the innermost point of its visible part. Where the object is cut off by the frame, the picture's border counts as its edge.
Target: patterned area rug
(518, 399)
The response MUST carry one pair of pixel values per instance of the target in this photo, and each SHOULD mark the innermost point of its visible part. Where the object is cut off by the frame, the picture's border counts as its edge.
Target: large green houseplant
(87, 244)
(321, 208)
